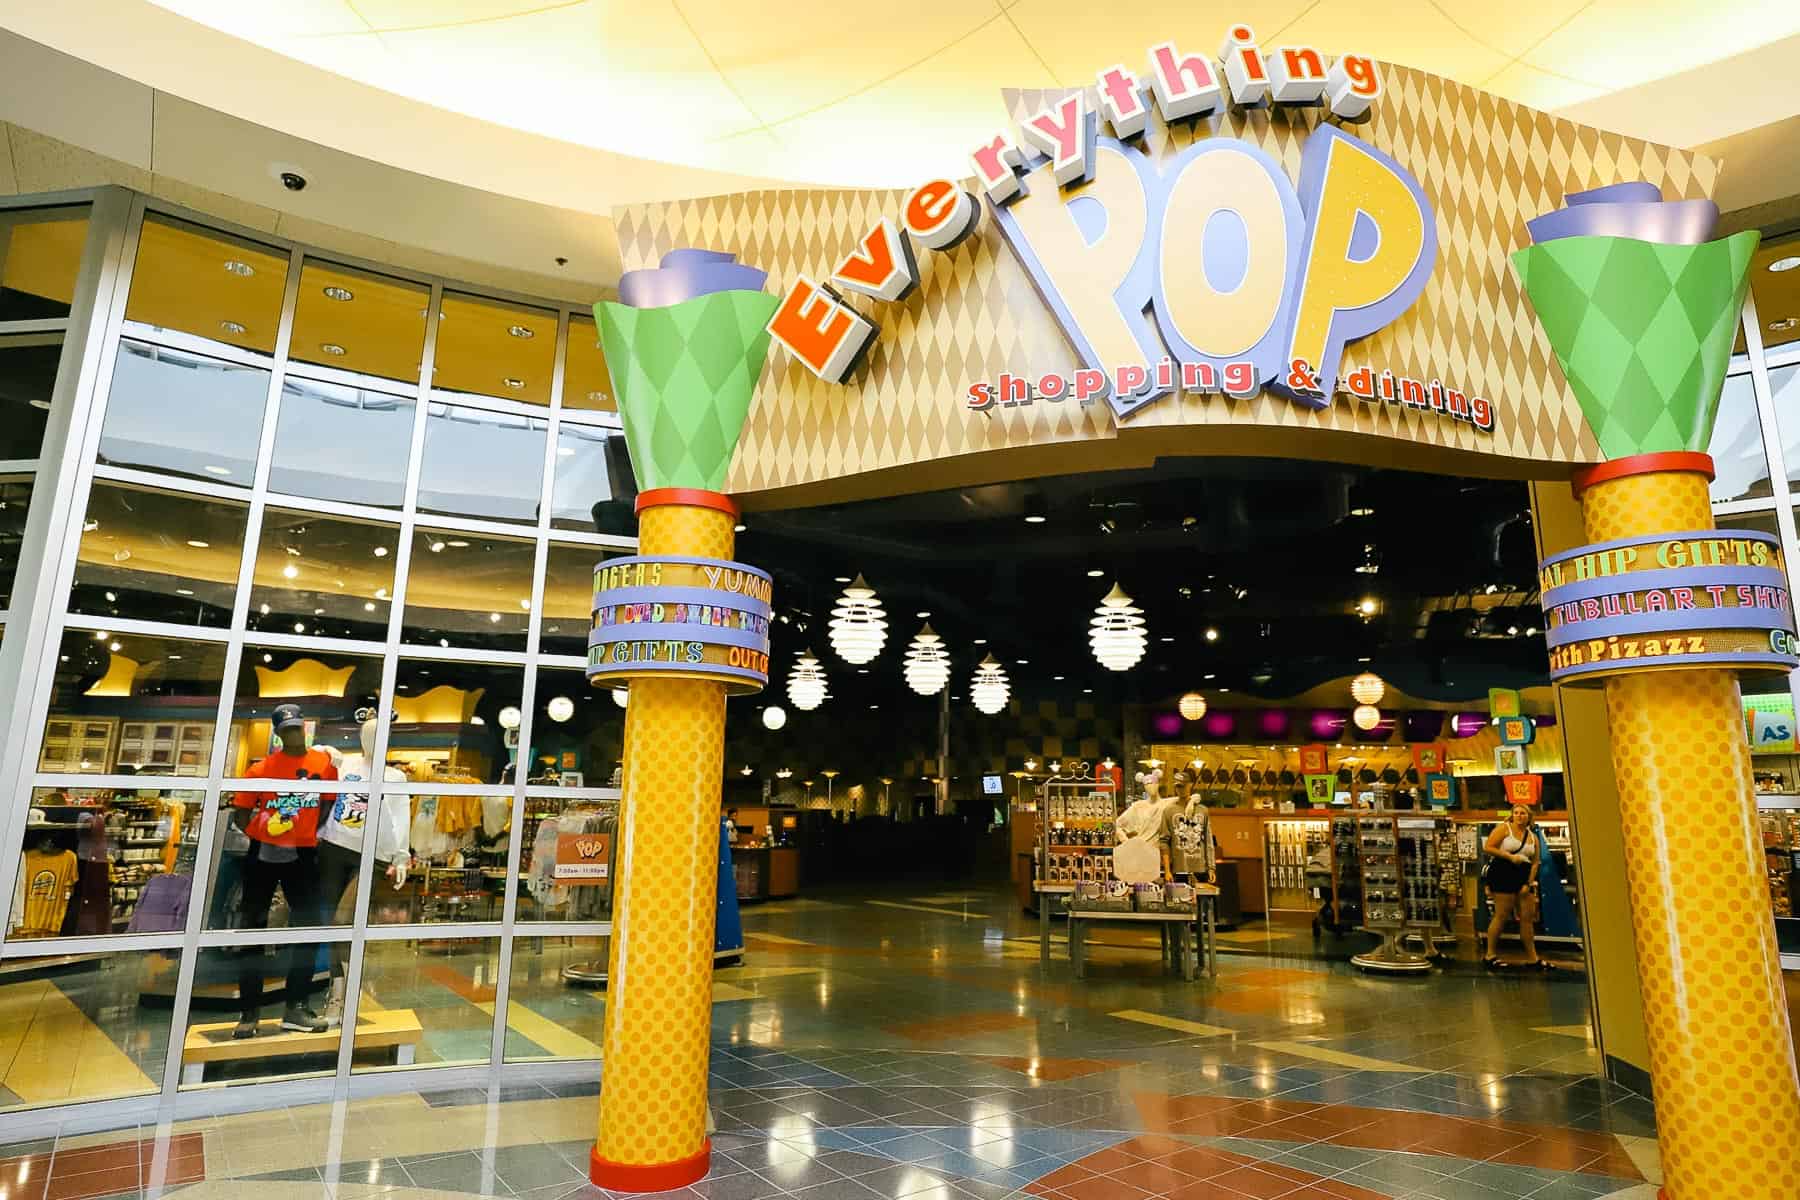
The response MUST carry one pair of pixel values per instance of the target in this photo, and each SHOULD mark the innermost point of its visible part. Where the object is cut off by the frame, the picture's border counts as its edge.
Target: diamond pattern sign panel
(899, 423)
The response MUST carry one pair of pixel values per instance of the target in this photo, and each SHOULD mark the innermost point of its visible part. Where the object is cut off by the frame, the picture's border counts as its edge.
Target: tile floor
(905, 1045)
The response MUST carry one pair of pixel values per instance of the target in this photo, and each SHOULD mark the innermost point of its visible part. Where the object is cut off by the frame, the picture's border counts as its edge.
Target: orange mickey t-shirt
(288, 818)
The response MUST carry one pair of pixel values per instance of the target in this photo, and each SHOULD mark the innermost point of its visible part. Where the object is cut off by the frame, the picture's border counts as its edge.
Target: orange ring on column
(1642, 464)
(691, 497)
(651, 1177)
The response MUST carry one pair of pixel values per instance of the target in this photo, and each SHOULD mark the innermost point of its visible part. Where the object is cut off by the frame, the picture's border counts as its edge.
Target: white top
(1512, 843)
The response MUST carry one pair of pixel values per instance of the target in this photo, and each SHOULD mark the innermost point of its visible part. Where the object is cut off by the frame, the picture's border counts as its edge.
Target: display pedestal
(1391, 957)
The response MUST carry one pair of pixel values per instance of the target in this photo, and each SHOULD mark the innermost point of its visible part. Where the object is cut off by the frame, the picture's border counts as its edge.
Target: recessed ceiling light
(1024, 662)
(368, 606)
(113, 646)
(381, 552)
(184, 591)
(1168, 639)
(1058, 678)
(1209, 676)
(843, 579)
(211, 469)
(242, 270)
(1212, 635)
(43, 404)
(290, 572)
(1785, 264)
(335, 292)
(1096, 573)
(1362, 510)
(981, 641)
(1036, 519)
(197, 544)
(174, 658)
(332, 348)
(597, 397)
(437, 547)
(299, 627)
(457, 544)
(1087, 691)
(1783, 324)
(515, 384)
(231, 327)
(521, 331)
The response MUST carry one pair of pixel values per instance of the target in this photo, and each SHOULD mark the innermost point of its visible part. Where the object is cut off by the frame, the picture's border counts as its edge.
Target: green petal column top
(685, 355)
(1642, 327)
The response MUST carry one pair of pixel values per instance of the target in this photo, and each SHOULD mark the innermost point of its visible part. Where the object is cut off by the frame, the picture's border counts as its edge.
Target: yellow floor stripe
(543, 1032)
(58, 1053)
(1337, 1058)
(1574, 1031)
(735, 974)
(726, 991)
(1175, 1023)
(942, 912)
(769, 937)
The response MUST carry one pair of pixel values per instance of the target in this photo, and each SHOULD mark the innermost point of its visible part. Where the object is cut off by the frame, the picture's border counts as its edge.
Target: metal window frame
(66, 473)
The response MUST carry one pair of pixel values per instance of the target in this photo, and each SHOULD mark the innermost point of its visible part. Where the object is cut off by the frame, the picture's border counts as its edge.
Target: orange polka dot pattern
(659, 974)
(1721, 1052)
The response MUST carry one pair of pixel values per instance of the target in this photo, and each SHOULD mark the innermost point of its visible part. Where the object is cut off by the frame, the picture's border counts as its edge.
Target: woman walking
(1512, 885)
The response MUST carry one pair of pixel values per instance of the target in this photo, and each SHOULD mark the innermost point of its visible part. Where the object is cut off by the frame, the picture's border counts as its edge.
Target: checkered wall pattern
(1487, 165)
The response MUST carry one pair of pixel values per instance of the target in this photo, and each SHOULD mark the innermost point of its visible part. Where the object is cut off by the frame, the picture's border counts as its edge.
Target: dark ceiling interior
(1267, 552)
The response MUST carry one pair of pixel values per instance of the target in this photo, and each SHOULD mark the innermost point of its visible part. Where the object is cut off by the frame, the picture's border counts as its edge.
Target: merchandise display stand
(1398, 857)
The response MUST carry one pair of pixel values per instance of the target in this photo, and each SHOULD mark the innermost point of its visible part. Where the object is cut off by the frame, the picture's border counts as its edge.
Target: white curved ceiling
(846, 91)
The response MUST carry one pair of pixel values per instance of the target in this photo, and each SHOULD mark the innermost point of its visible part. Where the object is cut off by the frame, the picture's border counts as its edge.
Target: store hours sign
(1211, 272)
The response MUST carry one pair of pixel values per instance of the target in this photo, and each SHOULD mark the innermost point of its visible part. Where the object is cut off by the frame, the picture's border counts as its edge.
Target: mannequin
(1141, 818)
(341, 845)
(1135, 859)
(1187, 834)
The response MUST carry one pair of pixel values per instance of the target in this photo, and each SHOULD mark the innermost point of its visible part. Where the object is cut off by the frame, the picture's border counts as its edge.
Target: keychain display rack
(1075, 831)
(1398, 858)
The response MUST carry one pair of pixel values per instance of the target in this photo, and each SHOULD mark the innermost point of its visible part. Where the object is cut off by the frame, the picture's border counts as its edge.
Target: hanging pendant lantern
(1368, 688)
(1118, 636)
(989, 690)
(927, 663)
(1192, 706)
(858, 624)
(806, 683)
(1366, 717)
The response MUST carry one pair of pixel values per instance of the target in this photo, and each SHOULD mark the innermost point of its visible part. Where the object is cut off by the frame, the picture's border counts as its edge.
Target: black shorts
(1507, 878)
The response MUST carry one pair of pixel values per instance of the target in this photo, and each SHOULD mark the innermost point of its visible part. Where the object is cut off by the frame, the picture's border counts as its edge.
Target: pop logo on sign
(1211, 272)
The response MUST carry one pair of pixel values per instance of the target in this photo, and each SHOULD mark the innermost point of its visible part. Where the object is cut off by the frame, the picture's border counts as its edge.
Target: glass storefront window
(488, 348)
(544, 895)
(96, 1028)
(40, 255)
(482, 464)
(1775, 283)
(550, 1013)
(334, 691)
(1784, 389)
(577, 731)
(594, 487)
(124, 703)
(447, 726)
(264, 979)
(28, 364)
(468, 589)
(357, 321)
(1759, 522)
(434, 988)
(341, 443)
(15, 502)
(454, 876)
(587, 384)
(1741, 466)
(198, 282)
(158, 556)
(323, 576)
(106, 860)
(184, 414)
(569, 597)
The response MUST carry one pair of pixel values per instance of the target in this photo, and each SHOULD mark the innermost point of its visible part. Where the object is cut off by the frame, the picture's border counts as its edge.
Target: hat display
(288, 716)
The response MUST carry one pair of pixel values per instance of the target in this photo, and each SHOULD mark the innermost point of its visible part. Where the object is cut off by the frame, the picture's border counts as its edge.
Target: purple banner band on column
(677, 631)
(1663, 577)
(1726, 659)
(707, 670)
(1651, 624)
(652, 594)
(1668, 223)
(1688, 535)
(685, 274)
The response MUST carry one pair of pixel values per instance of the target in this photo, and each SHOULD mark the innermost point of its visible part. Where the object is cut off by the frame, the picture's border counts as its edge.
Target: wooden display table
(398, 1028)
(1178, 929)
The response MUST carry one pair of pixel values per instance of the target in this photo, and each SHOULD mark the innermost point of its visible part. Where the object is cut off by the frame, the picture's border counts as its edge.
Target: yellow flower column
(1721, 1053)
(652, 1128)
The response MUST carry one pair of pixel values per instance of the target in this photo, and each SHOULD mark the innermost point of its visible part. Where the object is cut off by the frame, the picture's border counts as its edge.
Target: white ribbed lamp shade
(806, 683)
(989, 690)
(1192, 706)
(927, 663)
(858, 623)
(1117, 631)
(1366, 717)
(1368, 688)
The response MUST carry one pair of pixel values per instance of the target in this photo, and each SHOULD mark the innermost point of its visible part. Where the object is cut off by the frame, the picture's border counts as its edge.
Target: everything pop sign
(1207, 272)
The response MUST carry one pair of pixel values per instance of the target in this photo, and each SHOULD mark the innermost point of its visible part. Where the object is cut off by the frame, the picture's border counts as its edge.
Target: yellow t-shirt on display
(49, 878)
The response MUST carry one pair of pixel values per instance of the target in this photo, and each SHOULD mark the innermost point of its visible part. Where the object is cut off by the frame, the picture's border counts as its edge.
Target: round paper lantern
(989, 690)
(621, 696)
(858, 623)
(560, 708)
(927, 667)
(1117, 635)
(1368, 688)
(510, 717)
(774, 717)
(1192, 706)
(1366, 716)
(806, 683)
